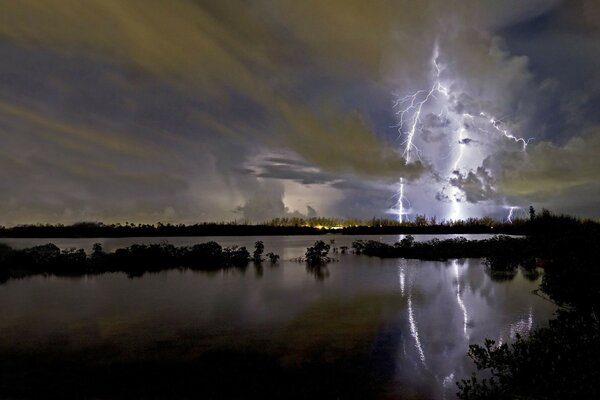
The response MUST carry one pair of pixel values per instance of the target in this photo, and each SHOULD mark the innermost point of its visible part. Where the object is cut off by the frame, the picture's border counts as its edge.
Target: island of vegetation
(134, 260)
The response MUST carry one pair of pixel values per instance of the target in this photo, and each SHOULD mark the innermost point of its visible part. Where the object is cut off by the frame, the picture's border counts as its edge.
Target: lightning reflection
(459, 299)
(414, 330)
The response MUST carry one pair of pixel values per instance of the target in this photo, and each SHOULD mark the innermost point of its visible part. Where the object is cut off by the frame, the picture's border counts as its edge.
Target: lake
(360, 328)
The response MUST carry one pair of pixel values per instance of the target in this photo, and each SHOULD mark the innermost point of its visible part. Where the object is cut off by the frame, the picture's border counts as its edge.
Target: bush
(317, 254)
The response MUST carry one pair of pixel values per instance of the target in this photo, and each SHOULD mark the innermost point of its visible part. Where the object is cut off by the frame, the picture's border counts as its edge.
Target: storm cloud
(186, 111)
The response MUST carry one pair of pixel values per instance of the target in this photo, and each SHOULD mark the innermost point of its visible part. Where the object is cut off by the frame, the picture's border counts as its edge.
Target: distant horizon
(313, 222)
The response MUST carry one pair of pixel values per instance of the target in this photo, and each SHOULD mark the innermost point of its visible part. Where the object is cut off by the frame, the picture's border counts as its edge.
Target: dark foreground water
(360, 328)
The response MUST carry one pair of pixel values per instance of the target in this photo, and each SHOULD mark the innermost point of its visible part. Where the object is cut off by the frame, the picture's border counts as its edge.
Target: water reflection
(414, 331)
(402, 275)
(461, 304)
(523, 326)
(319, 272)
(399, 327)
(259, 270)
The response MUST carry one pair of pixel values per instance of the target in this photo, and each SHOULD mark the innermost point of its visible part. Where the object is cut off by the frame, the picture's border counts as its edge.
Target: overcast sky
(186, 111)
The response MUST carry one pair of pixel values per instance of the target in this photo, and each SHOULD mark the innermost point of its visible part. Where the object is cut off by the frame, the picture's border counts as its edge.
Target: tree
(531, 213)
(273, 258)
(317, 254)
(259, 248)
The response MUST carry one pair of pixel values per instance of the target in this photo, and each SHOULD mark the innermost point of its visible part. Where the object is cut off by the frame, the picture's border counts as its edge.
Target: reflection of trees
(320, 272)
(532, 274)
(501, 276)
(560, 361)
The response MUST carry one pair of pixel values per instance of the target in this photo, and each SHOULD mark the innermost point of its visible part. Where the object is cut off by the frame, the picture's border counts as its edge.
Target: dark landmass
(100, 230)
(500, 252)
(278, 226)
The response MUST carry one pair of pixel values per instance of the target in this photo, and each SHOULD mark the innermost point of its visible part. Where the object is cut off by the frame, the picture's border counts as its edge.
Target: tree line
(420, 224)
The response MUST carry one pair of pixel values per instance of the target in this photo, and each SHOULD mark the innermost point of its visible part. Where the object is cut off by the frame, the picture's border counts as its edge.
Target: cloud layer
(152, 111)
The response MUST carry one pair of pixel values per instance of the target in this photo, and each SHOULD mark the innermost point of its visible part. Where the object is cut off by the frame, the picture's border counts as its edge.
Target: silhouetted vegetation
(98, 229)
(134, 260)
(273, 258)
(560, 361)
(501, 253)
(420, 224)
(318, 254)
(316, 259)
(259, 249)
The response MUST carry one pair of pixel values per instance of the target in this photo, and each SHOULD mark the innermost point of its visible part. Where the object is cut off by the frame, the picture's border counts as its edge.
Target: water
(362, 327)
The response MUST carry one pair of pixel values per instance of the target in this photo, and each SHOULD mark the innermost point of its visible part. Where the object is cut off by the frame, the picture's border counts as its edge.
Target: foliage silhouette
(560, 361)
(259, 249)
(134, 260)
(273, 258)
(318, 254)
(281, 226)
(501, 253)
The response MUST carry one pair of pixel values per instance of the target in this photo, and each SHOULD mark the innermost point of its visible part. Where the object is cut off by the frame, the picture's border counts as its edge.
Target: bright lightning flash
(440, 96)
(511, 211)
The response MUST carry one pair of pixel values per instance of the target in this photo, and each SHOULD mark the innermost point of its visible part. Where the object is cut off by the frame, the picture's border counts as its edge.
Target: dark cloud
(187, 110)
(476, 185)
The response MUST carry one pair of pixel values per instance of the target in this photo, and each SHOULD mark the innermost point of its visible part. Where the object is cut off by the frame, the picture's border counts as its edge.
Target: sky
(187, 111)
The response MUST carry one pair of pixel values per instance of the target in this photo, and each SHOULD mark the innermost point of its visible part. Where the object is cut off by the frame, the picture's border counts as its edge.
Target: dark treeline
(285, 226)
(98, 229)
(93, 229)
(135, 260)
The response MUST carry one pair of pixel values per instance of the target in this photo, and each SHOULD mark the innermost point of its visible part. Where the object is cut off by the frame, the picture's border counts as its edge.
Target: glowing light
(461, 134)
(411, 109)
(497, 125)
(414, 331)
(523, 326)
(448, 380)
(401, 279)
(511, 211)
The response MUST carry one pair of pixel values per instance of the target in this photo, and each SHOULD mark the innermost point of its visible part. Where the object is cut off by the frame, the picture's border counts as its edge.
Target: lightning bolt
(511, 210)
(497, 126)
(411, 108)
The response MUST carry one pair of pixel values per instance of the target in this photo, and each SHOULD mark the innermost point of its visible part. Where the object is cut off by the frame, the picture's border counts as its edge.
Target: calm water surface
(402, 325)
